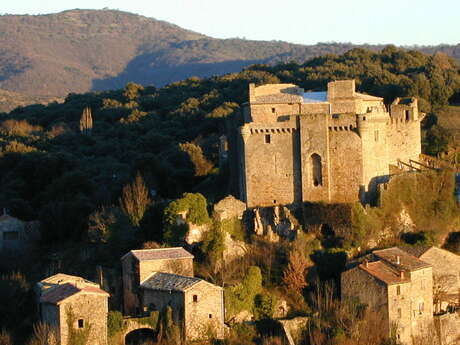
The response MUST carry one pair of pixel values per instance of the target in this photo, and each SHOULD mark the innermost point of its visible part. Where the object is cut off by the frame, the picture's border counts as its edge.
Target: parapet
(275, 93)
(340, 89)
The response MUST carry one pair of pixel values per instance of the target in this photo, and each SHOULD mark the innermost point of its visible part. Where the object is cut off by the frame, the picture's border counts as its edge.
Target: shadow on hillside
(144, 70)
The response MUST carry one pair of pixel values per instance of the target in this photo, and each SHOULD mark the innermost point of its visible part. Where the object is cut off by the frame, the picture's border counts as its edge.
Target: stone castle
(332, 146)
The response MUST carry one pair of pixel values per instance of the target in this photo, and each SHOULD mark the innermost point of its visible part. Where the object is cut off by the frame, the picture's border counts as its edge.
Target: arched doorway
(141, 336)
(316, 170)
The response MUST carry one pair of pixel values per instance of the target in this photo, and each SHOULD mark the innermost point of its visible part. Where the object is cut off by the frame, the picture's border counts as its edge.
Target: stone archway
(133, 329)
(140, 336)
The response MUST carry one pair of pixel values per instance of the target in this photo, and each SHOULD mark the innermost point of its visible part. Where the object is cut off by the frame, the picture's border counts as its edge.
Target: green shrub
(264, 306)
(195, 207)
(241, 296)
(114, 323)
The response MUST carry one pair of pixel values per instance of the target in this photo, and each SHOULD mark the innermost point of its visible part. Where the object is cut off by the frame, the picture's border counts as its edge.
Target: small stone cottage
(137, 265)
(16, 234)
(197, 305)
(446, 274)
(73, 306)
(396, 285)
(156, 278)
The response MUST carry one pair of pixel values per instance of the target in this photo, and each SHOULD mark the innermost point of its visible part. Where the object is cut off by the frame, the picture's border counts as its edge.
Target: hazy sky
(402, 22)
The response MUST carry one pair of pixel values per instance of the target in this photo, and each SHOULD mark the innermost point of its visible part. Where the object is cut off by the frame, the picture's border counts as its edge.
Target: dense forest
(70, 171)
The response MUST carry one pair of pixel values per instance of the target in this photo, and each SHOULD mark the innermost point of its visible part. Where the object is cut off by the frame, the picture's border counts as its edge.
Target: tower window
(317, 173)
(407, 113)
(273, 110)
(398, 290)
(268, 139)
(195, 298)
(81, 323)
(210, 316)
(376, 135)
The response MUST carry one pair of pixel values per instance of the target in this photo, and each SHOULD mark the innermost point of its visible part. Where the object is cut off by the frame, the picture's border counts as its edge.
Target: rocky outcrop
(274, 222)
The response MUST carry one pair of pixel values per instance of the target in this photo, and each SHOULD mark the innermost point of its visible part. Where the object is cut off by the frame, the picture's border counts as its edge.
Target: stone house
(446, 274)
(156, 278)
(333, 146)
(197, 305)
(396, 285)
(16, 234)
(138, 265)
(74, 305)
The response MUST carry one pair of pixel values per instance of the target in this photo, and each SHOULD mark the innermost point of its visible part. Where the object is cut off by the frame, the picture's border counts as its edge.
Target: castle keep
(332, 146)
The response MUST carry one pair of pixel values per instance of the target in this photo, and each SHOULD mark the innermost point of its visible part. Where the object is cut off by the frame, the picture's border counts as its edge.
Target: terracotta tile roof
(64, 291)
(400, 259)
(169, 282)
(159, 254)
(384, 272)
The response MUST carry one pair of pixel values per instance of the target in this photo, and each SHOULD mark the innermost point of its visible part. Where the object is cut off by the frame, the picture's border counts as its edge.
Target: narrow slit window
(398, 290)
(210, 316)
(268, 139)
(195, 298)
(407, 113)
(317, 173)
(81, 323)
(376, 135)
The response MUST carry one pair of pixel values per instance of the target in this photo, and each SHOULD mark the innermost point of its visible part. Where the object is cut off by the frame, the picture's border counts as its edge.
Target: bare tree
(294, 274)
(135, 200)
(86, 121)
(44, 334)
(442, 284)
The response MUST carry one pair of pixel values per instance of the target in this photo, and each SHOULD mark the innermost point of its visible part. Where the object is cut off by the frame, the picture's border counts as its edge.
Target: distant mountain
(82, 50)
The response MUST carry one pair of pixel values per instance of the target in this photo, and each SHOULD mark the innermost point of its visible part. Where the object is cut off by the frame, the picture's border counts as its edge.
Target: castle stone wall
(272, 165)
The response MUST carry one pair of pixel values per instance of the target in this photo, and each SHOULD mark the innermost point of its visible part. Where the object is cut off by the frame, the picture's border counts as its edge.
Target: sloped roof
(61, 279)
(160, 253)
(169, 282)
(400, 259)
(384, 272)
(61, 292)
(416, 251)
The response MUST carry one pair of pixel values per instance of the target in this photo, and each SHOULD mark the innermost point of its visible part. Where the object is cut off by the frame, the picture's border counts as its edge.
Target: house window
(210, 316)
(317, 174)
(273, 110)
(399, 313)
(407, 113)
(376, 135)
(11, 236)
(81, 323)
(398, 290)
(268, 139)
(195, 298)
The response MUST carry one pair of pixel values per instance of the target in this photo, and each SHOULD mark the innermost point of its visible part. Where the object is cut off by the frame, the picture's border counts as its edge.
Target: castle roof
(400, 259)
(60, 293)
(159, 254)
(315, 97)
(169, 282)
(384, 272)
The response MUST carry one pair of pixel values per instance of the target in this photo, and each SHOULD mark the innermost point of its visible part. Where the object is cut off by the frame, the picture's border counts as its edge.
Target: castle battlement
(332, 146)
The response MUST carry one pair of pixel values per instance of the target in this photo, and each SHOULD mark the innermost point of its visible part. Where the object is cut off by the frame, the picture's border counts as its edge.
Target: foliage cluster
(242, 296)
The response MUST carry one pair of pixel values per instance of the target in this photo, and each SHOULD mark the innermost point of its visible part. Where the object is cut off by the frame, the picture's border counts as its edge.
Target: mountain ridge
(51, 55)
